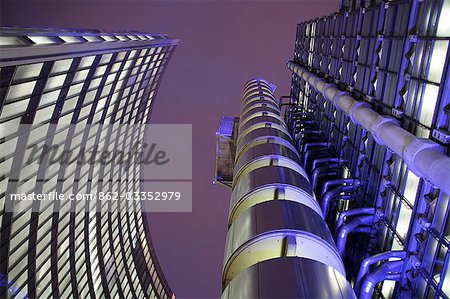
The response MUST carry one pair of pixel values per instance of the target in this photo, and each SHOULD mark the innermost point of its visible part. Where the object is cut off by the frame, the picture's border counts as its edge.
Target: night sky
(222, 45)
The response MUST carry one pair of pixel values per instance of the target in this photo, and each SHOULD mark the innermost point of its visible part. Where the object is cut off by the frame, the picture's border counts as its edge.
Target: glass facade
(392, 56)
(66, 77)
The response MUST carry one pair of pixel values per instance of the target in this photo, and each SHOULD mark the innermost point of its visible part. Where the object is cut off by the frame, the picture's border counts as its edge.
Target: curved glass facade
(65, 77)
(392, 57)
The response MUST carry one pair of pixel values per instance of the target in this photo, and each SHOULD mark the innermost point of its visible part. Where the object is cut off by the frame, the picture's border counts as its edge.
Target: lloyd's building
(93, 79)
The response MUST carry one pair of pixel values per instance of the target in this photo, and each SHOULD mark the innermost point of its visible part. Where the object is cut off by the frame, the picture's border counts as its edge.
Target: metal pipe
(353, 212)
(386, 271)
(423, 156)
(366, 263)
(346, 229)
(329, 195)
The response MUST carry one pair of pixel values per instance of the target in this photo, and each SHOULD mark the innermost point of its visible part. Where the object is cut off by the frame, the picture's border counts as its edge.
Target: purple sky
(223, 44)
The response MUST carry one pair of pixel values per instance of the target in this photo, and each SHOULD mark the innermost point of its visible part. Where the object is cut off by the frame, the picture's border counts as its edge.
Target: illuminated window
(100, 71)
(43, 40)
(55, 82)
(28, 71)
(108, 38)
(14, 109)
(10, 41)
(439, 53)
(428, 104)
(60, 66)
(75, 89)
(43, 114)
(443, 28)
(19, 91)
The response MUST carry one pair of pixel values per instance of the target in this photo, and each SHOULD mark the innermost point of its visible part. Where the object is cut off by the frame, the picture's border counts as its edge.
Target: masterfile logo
(141, 154)
(73, 163)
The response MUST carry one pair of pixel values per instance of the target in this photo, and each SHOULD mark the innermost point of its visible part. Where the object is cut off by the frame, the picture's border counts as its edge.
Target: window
(27, 71)
(80, 76)
(71, 39)
(86, 62)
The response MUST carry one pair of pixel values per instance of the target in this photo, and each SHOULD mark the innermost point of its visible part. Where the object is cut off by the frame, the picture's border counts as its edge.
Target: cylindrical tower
(278, 244)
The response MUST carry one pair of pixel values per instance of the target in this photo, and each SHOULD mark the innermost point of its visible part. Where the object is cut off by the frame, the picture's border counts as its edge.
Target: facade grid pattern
(66, 77)
(394, 56)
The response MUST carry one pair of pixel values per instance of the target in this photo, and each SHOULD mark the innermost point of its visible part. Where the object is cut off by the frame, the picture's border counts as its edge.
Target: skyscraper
(368, 115)
(66, 77)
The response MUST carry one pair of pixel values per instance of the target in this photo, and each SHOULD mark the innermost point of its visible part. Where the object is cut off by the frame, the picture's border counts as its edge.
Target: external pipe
(329, 195)
(330, 183)
(353, 212)
(350, 227)
(366, 263)
(386, 271)
(310, 152)
(318, 170)
(316, 144)
(423, 156)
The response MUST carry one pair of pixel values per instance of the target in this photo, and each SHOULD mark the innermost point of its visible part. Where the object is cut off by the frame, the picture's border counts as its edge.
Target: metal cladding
(424, 157)
(278, 244)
